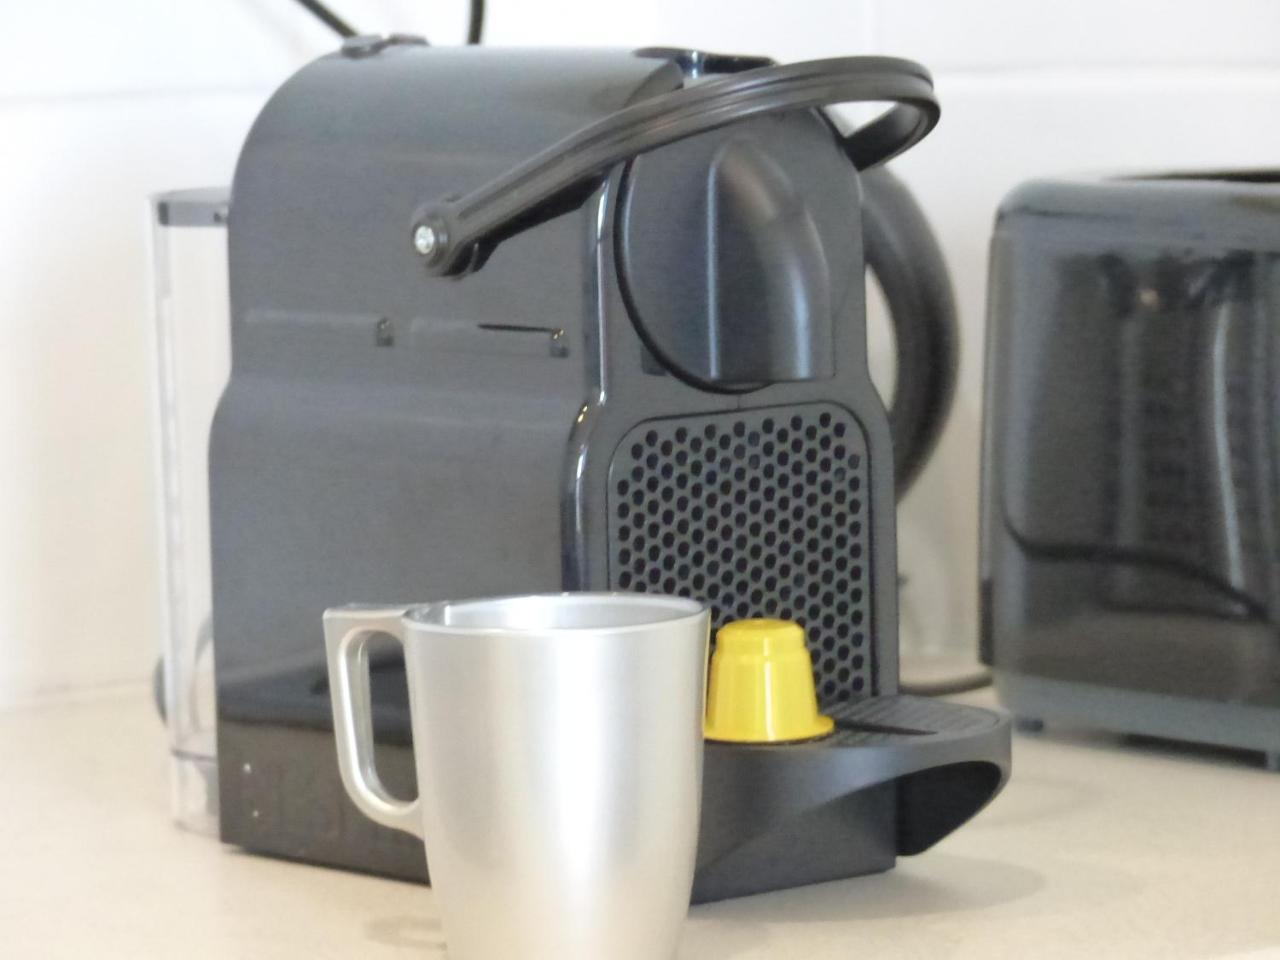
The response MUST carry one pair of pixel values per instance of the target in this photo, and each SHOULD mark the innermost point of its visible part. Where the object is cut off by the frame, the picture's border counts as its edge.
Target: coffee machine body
(657, 384)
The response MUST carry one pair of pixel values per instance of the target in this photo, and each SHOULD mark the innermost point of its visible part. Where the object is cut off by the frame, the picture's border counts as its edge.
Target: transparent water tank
(192, 364)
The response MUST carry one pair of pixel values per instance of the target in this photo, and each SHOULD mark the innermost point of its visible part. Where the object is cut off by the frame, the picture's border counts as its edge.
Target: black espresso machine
(507, 321)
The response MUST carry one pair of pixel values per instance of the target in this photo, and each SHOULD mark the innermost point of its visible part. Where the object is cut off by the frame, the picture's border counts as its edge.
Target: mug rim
(682, 610)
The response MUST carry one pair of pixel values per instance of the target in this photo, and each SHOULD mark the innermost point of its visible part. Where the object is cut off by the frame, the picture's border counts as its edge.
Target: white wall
(100, 106)
(103, 104)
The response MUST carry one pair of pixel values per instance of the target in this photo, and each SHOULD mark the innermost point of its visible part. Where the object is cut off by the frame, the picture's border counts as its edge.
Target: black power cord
(328, 18)
(475, 26)
(475, 29)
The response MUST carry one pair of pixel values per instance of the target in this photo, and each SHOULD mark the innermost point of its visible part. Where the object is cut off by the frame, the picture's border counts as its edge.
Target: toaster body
(1131, 533)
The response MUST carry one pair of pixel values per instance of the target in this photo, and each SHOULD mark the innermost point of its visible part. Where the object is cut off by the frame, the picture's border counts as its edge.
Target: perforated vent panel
(759, 513)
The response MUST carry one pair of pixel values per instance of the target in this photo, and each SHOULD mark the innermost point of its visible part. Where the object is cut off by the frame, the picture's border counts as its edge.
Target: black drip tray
(897, 775)
(878, 721)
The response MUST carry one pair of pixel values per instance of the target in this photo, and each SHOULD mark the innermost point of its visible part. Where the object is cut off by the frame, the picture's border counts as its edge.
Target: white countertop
(1093, 850)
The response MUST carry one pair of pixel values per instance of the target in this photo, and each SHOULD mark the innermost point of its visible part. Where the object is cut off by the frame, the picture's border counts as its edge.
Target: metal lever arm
(450, 233)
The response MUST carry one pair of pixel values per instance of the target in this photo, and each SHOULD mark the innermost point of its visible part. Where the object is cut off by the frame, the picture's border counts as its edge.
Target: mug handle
(346, 636)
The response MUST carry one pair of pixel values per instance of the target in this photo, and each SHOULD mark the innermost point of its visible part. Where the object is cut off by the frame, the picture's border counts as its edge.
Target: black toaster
(509, 321)
(1131, 489)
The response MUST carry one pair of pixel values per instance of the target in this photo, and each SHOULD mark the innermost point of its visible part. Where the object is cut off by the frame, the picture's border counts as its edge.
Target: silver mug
(558, 746)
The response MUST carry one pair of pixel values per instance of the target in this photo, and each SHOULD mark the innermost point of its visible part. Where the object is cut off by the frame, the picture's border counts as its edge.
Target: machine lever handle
(453, 235)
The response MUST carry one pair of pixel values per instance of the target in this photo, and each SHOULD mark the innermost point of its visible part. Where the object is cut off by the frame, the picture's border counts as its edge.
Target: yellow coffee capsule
(761, 688)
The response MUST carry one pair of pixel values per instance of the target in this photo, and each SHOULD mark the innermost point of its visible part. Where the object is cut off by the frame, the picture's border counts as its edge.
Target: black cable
(329, 18)
(475, 29)
(475, 24)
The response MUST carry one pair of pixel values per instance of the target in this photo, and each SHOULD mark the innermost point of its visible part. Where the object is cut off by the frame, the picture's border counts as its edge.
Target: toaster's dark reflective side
(1131, 491)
